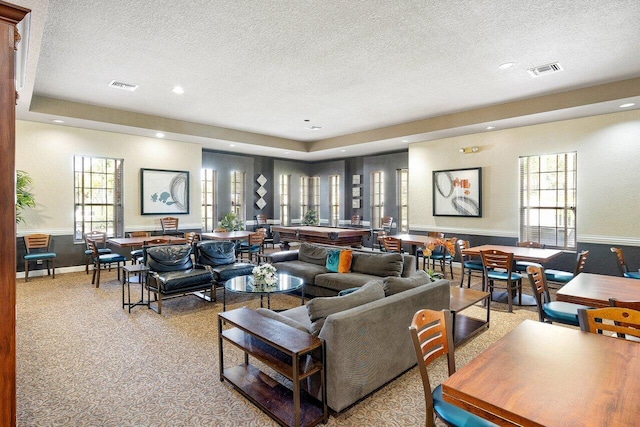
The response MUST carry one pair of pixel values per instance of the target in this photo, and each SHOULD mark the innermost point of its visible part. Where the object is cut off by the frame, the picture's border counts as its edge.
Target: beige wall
(46, 153)
(608, 148)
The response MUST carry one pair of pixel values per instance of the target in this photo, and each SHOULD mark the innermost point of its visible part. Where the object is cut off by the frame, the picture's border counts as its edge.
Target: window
(377, 198)
(548, 199)
(237, 194)
(97, 196)
(403, 200)
(209, 185)
(309, 194)
(285, 214)
(334, 200)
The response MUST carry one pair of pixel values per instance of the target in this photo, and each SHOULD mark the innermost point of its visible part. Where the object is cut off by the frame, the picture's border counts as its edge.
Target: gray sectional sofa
(366, 345)
(309, 263)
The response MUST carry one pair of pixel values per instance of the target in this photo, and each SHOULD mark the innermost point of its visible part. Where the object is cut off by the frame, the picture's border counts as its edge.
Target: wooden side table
(286, 350)
(136, 273)
(464, 327)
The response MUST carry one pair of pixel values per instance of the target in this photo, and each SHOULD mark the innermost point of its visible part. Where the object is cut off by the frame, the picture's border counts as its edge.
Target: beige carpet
(84, 361)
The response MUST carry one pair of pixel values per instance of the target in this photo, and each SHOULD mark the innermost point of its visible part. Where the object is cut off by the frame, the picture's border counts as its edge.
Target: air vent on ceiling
(123, 86)
(545, 69)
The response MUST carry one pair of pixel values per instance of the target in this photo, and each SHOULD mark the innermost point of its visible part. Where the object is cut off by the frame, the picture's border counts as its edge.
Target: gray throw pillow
(377, 264)
(321, 307)
(394, 285)
(281, 318)
(312, 254)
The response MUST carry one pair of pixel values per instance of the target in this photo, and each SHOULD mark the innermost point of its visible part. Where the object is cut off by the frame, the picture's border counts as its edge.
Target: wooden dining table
(548, 375)
(538, 255)
(595, 290)
(415, 240)
(227, 235)
(129, 242)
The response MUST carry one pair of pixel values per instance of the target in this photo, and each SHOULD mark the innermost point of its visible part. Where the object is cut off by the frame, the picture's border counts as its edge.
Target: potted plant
(231, 222)
(24, 197)
(310, 218)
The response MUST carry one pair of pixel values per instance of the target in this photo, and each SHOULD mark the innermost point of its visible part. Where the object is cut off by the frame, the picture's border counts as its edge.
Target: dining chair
(634, 305)
(551, 311)
(103, 261)
(267, 239)
(170, 226)
(420, 252)
(620, 321)
(561, 277)
(442, 256)
(136, 254)
(253, 245)
(37, 246)
(432, 337)
(521, 266)
(622, 265)
(101, 241)
(386, 222)
(356, 220)
(391, 244)
(468, 265)
(498, 266)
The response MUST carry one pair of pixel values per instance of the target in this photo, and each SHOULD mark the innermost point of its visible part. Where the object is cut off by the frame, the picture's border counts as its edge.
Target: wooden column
(10, 15)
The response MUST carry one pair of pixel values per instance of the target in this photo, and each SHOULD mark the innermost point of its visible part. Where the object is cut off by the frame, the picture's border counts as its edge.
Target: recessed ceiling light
(343, 150)
(57, 121)
(232, 145)
(490, 127)
(314, 127)
(630, 104)
(404, 140)
(178, 90)
(286, 152)
(506, 65)
(159, 135)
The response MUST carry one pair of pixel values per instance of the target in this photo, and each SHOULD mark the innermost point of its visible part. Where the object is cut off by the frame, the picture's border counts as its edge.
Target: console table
(286, 350)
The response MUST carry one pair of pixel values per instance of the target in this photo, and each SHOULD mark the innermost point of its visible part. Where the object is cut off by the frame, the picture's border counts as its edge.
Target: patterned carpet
(84, 361)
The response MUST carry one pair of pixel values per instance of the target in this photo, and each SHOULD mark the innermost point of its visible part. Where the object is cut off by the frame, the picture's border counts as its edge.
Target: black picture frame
(457, 192)
(164, 192)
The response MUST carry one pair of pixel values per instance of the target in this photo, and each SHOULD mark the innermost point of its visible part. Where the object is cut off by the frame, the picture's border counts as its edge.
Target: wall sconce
(468, 150)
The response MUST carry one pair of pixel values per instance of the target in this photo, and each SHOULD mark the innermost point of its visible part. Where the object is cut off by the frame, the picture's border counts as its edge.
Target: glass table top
(246, 284)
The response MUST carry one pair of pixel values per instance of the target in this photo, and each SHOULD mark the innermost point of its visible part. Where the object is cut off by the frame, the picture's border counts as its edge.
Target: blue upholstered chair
(622, 265)
(432, 336)
(498, 266)
(562, 277)
(254, 245)
(521, 266)
(101, 241)
(136, 254)
(37, 246)
(103, 261)
(468, 265)
(551, 311)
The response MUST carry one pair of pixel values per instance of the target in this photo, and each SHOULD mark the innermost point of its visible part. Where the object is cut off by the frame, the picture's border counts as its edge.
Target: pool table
(325, 235)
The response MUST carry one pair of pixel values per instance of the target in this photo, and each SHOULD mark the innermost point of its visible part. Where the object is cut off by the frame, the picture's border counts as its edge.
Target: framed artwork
(356, 191)
(457, 192)
(355, 204)
(164, 192)
(356, 179)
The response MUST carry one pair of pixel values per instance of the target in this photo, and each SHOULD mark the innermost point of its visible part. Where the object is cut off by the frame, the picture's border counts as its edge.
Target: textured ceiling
(371, 73)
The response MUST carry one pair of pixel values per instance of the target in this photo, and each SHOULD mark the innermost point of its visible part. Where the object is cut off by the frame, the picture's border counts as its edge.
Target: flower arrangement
(448, 244)
(265, 274)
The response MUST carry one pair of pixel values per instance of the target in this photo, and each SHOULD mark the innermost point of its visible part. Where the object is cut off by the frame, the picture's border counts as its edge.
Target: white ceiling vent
(543, 70)
(123, 86)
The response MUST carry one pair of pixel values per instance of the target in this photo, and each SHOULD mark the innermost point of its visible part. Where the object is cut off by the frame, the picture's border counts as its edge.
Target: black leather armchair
(172, 272)
(220, 256)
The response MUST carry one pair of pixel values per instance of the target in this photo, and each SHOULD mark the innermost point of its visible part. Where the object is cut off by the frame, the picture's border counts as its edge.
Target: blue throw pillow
(333, 260)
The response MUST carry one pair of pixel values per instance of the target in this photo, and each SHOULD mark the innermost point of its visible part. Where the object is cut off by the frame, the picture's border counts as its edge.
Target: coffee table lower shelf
(465, 327)
(272, 397)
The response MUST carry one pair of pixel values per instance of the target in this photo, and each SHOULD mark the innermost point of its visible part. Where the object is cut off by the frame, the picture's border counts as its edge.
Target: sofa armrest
(282, 256)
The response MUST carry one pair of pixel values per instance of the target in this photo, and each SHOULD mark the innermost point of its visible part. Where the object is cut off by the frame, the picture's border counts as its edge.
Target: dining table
(129, 242)
(537, 255)
(594, 290)
(540, 374)
(227, 235)
(415, 240)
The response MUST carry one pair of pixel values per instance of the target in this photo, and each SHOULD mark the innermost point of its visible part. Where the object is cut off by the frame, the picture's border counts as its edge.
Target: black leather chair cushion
(222, 273)
(174, 281)
(216, 253)
(163, 258)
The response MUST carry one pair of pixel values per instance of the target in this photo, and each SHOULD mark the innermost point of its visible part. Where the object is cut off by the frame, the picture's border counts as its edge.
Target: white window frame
(334, 200)
(402, 191)
(285, 200)
(548, 198)
(238, 194)
(377, 198)
(209, 185)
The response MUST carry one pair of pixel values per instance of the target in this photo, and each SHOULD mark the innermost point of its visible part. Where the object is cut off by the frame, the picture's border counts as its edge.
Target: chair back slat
(622, 264)
(582, 259)
(392, 244)
(169, 224)
(495, 259)
(619, 320)
(37, 241)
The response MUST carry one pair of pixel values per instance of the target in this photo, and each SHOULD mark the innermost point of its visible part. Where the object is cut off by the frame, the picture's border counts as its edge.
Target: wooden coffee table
(464, 327)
